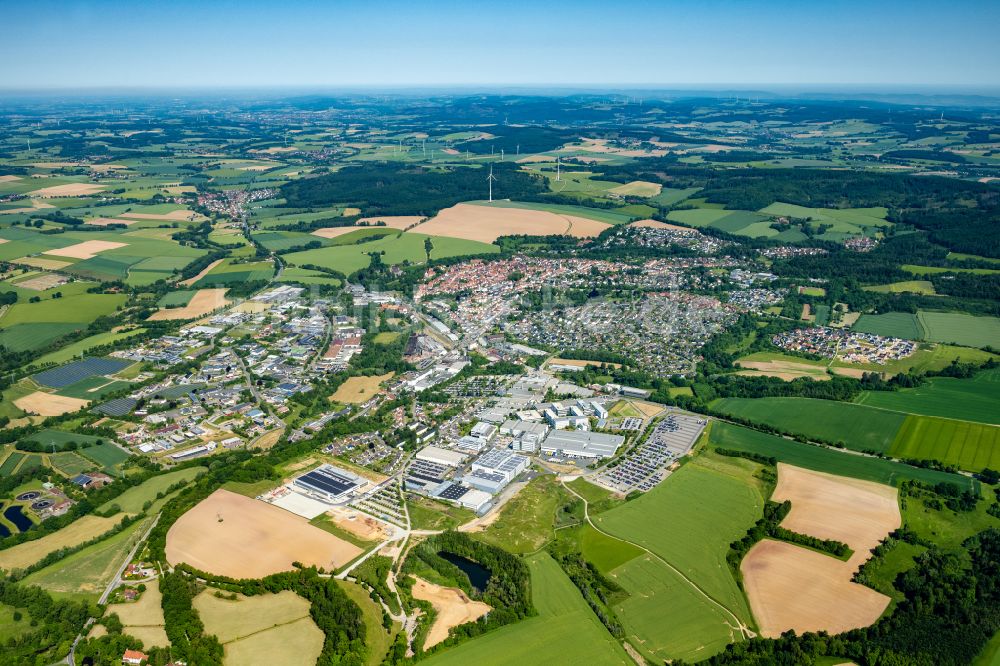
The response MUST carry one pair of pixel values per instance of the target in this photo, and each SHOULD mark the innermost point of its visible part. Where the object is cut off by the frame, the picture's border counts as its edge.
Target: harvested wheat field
(205, 271)
(108, 221)
(637, 188)
(359, 389)
(232, 535)
(787, 370)
(790, 587)
(333, 232)
(9, 179)
(453, 608)
(486, 223)
(77, 532)
(656, 224)
(49, 404)
(42, 282)
(393, 221)
(86, 249)
(68, 190)
(41, 262)
(859, 513)
(203, 302)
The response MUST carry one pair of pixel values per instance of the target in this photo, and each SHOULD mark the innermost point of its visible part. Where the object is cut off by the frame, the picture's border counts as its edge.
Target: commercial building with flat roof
(436, 454)
(581, 444)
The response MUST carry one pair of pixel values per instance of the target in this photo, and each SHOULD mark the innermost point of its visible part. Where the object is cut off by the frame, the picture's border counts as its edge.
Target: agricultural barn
(581, 444)
(329, 483)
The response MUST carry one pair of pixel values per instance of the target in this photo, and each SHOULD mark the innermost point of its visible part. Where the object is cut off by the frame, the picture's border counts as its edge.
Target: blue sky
(181, 43)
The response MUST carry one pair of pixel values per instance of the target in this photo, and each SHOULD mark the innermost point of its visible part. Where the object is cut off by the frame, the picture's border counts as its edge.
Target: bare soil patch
(359, 389)
(86, 249)
(393, 221)
(486, 223)
(787, 370)
(49, 404)
(790, 587)
(42, 282)
(578, 363)
(203, 302)
(359, 524)
(233, 535)
(68, 190)
(452, 605)
(203, 273)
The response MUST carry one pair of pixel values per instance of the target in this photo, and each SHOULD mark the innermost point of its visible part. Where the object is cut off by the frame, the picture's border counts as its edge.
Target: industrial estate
(600, 378)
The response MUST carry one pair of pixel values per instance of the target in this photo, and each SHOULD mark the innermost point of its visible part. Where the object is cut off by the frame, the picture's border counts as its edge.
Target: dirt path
(745, 631)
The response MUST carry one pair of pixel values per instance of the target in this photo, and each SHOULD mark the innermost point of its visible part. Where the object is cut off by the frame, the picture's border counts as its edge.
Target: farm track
(744, 630)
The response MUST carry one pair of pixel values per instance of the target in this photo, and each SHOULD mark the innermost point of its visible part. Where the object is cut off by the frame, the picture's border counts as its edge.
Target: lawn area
(975, 399)
(526, 521)
(565, 631)
(8, 627)
(907, 286)
(969, 446)
(398, 247)
(132, 500)
(821, 459)
(858, 427)
(598, 499)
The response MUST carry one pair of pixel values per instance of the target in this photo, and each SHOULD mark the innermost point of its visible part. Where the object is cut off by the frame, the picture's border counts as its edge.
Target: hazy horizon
(84, 44)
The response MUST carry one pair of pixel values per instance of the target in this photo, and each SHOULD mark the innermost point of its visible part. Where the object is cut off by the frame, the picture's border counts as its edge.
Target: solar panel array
(117, 407)
(453, 492)
(327, 481)
(76, 371)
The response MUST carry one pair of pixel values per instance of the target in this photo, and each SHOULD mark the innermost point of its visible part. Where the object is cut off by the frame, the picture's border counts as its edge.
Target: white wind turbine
(490, 180)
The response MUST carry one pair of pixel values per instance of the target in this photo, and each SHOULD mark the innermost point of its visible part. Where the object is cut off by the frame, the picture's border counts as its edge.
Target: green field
(10, 629)
(108, 456)
(377, 639)
(70, 464)
(858, 427)
(69, 352)
(398, 248)
(565, 631)
(976, 399)
(970, 446)
(230, 273)
(907, 286)
(176, 299)
(527, 521)
(688, 520)
(841, 220)
(933, 270)
(961, 329)
(891, 324)
(821, 459)
(132, 500)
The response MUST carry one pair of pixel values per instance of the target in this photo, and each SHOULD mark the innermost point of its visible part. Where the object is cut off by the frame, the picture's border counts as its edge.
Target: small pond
(16, 516)
(4, 532)
(477, 573)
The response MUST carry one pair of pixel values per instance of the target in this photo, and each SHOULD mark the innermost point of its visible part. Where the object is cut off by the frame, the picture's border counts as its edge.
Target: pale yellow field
(86, 249)
(144, 618)
(359, 389)
(9, 179)
(581, 363)
(190, 281)
(452, 605)
(203, 302)
(637, 188)
(68, 190)
(791, 587)
(392, 221)
(29, 552)
(297, 643)
(333, 232)
(656, 224)
(49, 404)
(486, 223)
(233, 535)
(41, 262)
(174, 215)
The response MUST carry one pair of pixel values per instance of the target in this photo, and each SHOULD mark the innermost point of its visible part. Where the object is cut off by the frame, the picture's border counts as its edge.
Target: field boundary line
(745, 631)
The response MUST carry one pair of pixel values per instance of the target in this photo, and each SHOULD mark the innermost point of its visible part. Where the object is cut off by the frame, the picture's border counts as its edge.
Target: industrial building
(329, 483)
(581, 444)
(436, 454)
(500, 461)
